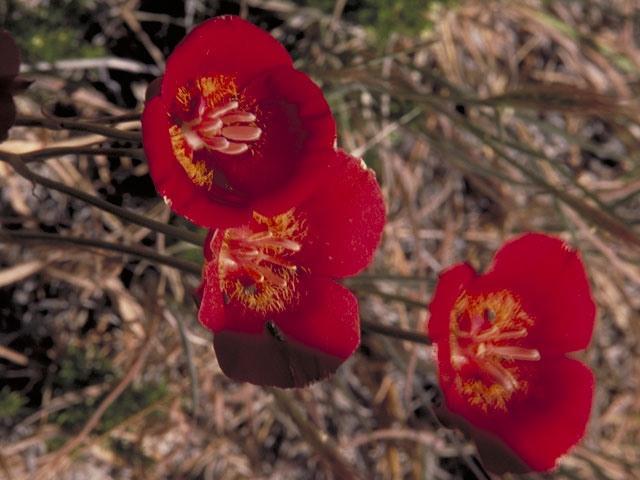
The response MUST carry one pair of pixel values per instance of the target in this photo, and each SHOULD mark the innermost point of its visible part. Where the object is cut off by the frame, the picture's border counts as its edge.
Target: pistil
(218, 128)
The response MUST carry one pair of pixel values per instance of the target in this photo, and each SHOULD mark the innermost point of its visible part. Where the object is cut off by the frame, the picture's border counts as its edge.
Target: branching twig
(51, 467)
(319, 442)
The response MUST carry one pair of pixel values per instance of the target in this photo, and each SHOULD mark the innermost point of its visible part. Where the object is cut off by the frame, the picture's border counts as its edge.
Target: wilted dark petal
(7, 114)
(153, 89)
(19, 85)
(10, 55)
(266, 359)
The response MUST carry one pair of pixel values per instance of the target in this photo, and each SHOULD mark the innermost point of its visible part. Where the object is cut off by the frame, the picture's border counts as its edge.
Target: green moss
(407, 17)
(55, 443)
(50, 31)
(131, 454)
(133, 400)
(10, 403)
(79, 368)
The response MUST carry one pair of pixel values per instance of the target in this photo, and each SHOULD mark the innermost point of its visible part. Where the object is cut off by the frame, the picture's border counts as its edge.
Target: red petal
(313, 169)
(539, 429)
(10, 55)
(554, 416)
(7, 114)
(325, 318)
(344, 221)
(183, 196)
(450, 284)
(211, 310)
(296, 121)
(494, 454)
(550, 280)
(223, 45)
(216, 313)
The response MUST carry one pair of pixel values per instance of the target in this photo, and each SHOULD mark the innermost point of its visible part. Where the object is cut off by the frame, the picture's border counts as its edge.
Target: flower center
(208, 114)
(487, 351)
(257, 268)
(222, 128)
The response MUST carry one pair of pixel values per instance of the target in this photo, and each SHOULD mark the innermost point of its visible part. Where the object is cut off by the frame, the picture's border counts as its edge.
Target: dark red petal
(553, 417)
(313, 169)
(267, 359)
(450, 285)
(344, 221)
(550, 280)
(19, 85)
(325, 317)
(10, 55)
(296, 121)
(183, 196)
(223, 45)
(7, 114)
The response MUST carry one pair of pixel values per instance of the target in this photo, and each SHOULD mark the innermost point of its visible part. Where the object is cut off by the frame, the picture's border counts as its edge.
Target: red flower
(267, 292)
(500, 341)
(10, 84)
(235, 128)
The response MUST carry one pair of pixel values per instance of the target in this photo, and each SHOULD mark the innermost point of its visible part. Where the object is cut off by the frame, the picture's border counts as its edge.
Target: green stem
(21, 168)
(57, 123)
(142, 252)
(387, 296)
(382, 277)
(394, 332)
(188, 353)
(125, 117)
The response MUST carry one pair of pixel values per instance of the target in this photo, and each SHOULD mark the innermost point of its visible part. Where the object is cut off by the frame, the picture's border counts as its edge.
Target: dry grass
(505, 117)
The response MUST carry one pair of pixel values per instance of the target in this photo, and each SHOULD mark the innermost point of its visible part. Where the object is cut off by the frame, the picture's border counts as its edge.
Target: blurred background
(482, 120)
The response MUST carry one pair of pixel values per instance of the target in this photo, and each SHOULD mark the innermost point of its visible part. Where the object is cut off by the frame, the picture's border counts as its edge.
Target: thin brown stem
(59, 151)
(21, 168)
(368, 289)
(79, 439)
(142, 252)
(394, 332)
(57, 123)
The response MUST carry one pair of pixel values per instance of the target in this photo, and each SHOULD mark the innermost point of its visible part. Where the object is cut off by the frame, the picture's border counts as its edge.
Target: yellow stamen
(486, 339)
